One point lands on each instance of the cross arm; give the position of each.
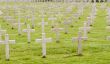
(12, 41)
(38, 40)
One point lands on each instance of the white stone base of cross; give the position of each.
(7, 42)
(44, 40)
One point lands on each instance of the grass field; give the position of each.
(96, 50)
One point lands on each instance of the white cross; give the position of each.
(66, 23)
(79, 39)
(7, 42)
(57, 31)
(19, 26)
(76, 15)
(29, 30)
(44, 40)
(52, 19)
(33, 23)
(43, 23)
(85, 29)
(89, 21)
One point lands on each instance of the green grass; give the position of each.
(94, 49)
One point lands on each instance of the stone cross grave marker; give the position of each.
(33, 23)
(89, 21)
(52, 19)
(85, 30)
(80, 10)
(69, 9)
(44, 40)
(19, 26)
(57, 31)
(79, 39)
(66, 25)
(28, 31)
(94, 9)
(11, 21)
(8, 18)
(43, 23)
(7, 42)
(76, 15)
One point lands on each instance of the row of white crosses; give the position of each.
(87, 25)
(82, 34)
(6, 42)
(44, 40)
(90, 21)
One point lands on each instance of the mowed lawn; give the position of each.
(96, 50)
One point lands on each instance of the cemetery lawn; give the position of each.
(96, 50)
